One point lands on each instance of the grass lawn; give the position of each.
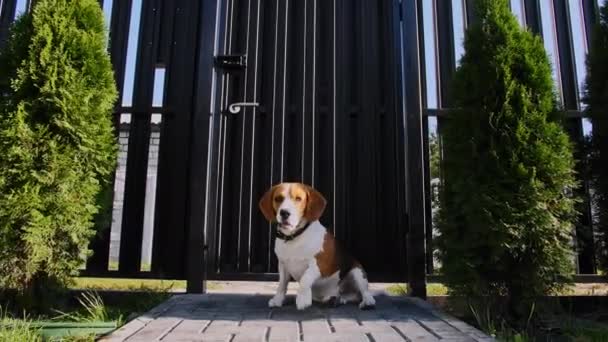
(18, 330)
(115, 284)
(431, 290)
(90, 314)
(580, 289)
(90, 309)
(136, 296)
(84, 318)
(557, 323)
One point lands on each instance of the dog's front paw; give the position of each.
(276, 301)
(304, 299)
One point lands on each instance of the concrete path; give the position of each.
(225, 315)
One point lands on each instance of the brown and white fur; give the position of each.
(314, 258)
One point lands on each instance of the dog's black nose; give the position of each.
(284, 214)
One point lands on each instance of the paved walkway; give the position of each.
(234, 316)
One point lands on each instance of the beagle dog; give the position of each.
(308, 253)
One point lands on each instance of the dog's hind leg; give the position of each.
(349, 297)
(360, 281)
(349, 291)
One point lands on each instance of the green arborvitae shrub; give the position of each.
(596, 99)
(505, 218)
(57, 144)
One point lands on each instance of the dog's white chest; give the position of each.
(296, 268)
(298, 254)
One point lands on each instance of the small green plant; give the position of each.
(93, 304)
(92, 310)
(506, 212)
(57, 93)
(485, 319)
(518, 338)
(491, 322)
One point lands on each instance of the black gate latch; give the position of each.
(231, 62)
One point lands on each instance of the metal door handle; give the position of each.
(236, 107)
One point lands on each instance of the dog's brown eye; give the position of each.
(278, 199)
(298, 199)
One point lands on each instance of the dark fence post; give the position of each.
(415, 186)
(590, 12)
(100, 245)
(570, 95)
(7, 15)
(532, 16)
(470, 10)
(139, 137)
(200, 205)
(566, 55)
(445, 37)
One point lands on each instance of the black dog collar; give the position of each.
(286, 238)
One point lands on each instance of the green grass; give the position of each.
(580, 329)
(77, 339)
(101, 284)
(431, 289)
(91, 309)
(566, 325)
(157, 285)
(113, 266)
(17, 330)
(436, 289)
(23, 330)
(569, 329)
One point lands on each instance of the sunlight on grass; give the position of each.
(579, 289)
(431, 289)
(85, 283)
(160, 285)
(17, 330)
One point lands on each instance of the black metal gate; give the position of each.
(320, 104)
(347, 93)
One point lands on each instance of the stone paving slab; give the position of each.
(246, 317)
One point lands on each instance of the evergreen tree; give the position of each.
(57, 144)
(505, 218)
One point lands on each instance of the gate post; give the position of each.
(201, 137)
(416, 244)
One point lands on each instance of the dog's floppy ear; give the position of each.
(315, 206)
(266, 204)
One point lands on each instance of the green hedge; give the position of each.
(57, 140)
(505, 215)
